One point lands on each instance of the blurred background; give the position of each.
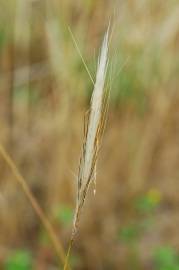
(133, 221)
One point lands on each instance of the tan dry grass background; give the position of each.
(44, 93)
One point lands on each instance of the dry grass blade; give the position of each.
(93, 132)
(43, 218)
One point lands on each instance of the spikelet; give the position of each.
(93, 131)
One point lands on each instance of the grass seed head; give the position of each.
(93, 131)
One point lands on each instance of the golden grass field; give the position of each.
(132, 222)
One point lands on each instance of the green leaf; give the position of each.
(165, 258)
(19, 260)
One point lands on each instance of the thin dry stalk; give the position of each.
(93, 131)
(43, 218)
(22, 36)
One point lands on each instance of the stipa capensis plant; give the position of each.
(93, 131)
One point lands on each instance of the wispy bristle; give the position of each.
(93, 132)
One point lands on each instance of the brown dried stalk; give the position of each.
(40, 213)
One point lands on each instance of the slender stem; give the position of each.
(75, 225)
(40, 213)
(68, 253)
